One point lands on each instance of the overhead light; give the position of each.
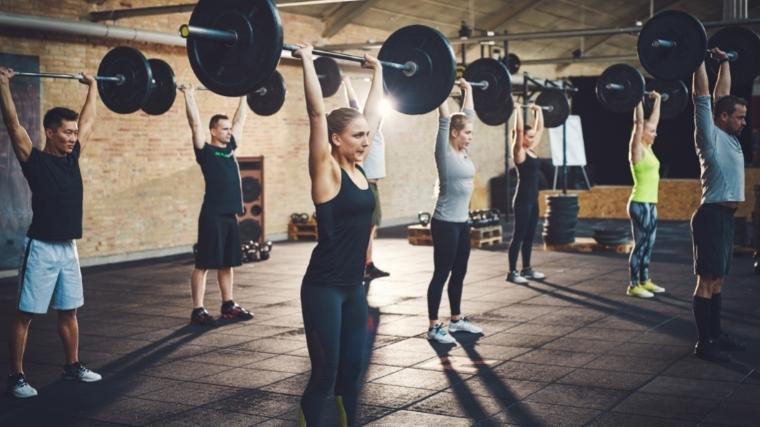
(639, 23)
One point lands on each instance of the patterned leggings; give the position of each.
(644, 225)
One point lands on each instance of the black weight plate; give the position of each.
(496, 75)
(620, 100)
(556, 99)
(268, 99)
(164, 90)
(329, 75)
(236, 69)
(250, 230)
(678, 98)
(496, 115)
(426, 89)
(677, 62)
(133, 93)
(513, 63)
(746, 44)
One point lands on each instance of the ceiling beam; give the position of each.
(344, 15)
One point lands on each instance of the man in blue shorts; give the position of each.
(49, 274)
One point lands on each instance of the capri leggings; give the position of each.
(335, 322)
(526, 220)
(644, 225)
(451, 252)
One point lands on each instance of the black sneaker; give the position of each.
(235, 312)
(371, 272)
(709, 351)
(200, 316)
(726, 342)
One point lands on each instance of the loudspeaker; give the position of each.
(251, 222)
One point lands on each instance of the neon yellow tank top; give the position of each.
(646, 178)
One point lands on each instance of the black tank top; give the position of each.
(344, 224)
(527, 180)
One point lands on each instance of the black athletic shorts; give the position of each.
(218, 242)
(712, 233)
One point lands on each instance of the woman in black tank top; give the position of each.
(333, 301)
(526, 196)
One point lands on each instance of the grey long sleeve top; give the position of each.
(456, 173)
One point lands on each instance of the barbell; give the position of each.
(621, 87)
(673, 44)
(264, 100)
(125, 79)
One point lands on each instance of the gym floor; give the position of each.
(572, 350)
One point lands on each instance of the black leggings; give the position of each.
(335, 322)
(526, 220)
(451, 251)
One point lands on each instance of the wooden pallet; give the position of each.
(306, 231)
(588, 244)
(479, 237)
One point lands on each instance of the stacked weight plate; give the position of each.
(561, 219)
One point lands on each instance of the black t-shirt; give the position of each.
(56, 185)
(222, 176)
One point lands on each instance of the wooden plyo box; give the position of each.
(479, 237)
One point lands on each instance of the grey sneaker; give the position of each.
(19, 387)
(437, 333)
(515, 277)
(464, 325)
(78, 372)
(531, 274)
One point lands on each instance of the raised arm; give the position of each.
(654, 118)
(320, 160)
(193, 116)
(372, 107)
(635, 148)
(723, 80)
(538, 124)
(238, 121)
(22, 144)
(700, 85)
(352, 101)
(88, 113)
(518, 150)
(464, 86)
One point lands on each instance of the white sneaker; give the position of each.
(515, 277)
(19, 388)
(464, 325)
(437, 333)
(531, 274)
(78, 372)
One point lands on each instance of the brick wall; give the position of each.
(143, 188)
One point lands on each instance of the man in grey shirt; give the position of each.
(712, 224)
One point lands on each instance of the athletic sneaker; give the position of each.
(726, 342)
(78, 372)
(19, 387)
(437, 333)
(652, 287)
(515, 277)
(709, 351)
(371, 272)
(638, 291)
(200, 316)
(531, 274)
(464, 325)
(232, 311)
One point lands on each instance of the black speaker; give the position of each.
(252, 182)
